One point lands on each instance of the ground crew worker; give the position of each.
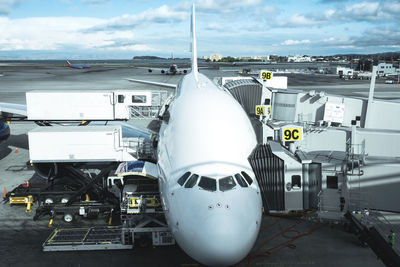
(392, 237)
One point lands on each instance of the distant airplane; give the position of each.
(77, 66)
(173, 69)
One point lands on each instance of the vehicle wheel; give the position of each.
(68, 217)
(48, 201)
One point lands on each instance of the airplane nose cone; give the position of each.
(225, 240)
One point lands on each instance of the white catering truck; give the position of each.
(78, 105)
(62, 140)
(82, 144)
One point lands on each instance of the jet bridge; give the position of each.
(320, 151)
(338, 156)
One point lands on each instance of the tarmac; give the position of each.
(283, 241)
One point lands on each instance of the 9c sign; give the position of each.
(291, 134)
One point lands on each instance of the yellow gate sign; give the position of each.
(292, 134)
(260, 110)
(265, 75)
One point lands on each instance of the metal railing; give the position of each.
(139, 147)
(158, 99)
(142, 112)
(355, 155)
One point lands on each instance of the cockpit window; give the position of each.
(240, 180)
(183, 178)
(226, 183)
(208, 183)
(248, 178)
(192, 181)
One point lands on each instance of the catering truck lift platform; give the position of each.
(141, 216)
(128, 197)
(93, 238)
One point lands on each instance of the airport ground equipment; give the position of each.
(330, 154)
(83, 104)
(370, 229)
(26, 200)
(93, 105)
(141, 215)
(93, 238)
(83, 144)
(126, 196)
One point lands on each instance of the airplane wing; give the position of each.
(16, 109)
(167, 85)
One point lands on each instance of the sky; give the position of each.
(121, 29)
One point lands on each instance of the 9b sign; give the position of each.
(265, 75)
(291, 134)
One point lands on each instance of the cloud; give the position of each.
(7, 5)
(376, 12)
(298, 20)
(378, 37)
(215, 27)
(224, 6)
(163, 14)
(62, 33)
(95, 2)
(295, 42)
(332, 1)
(123, 44)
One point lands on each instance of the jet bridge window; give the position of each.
(296, 181)
(192, 181)
(226, 183)
(240, 180)
(332, 182)
(121, 98)
(208, 183)
(183, 178)
(138, 99)
(248, 178)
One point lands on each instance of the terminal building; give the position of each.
(298, 58)
(385, 69)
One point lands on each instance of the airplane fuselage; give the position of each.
(216, 219)
(74, 66)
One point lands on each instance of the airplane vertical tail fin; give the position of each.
(68, 64)
(193, 47)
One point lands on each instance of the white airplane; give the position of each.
(173, 69)
(209, 193)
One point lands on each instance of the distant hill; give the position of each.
(383, 54)
(147, 57)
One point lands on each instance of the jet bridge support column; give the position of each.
(306, 183)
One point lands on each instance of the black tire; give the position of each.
(68, 217)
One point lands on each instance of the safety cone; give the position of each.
(5, 193)
(16, 150)
(27, 183)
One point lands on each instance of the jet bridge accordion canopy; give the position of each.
(269, 171)
(248, 93)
